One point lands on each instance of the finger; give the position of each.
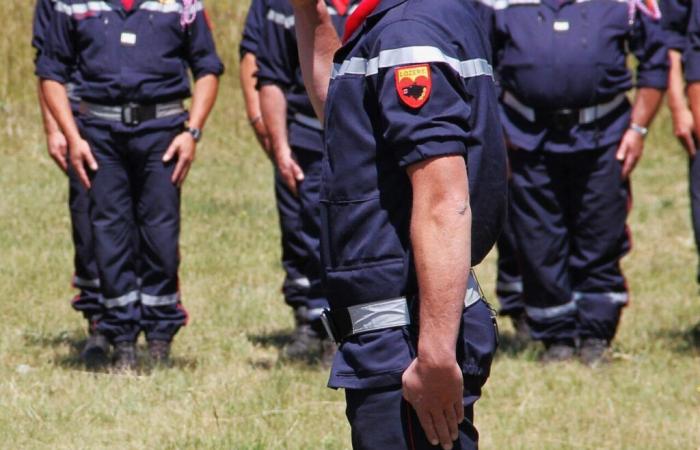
(298, 173)
(689, 144)
(177, 171)
(630, 162)
(80, 171)
(185, 172)
(452, 422)
(291, 183)
(90, 160)
(621, 152)
(170, 152)
(428, 428)
(60, 161)
(442, 429)
(459, 411)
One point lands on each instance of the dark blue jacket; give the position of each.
(142, 56)
(252, 28)
(553, 55)
(278, 63)
(682, 24)
(413, 83)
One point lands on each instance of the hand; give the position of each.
(436, 393)
(302, 3)
(184, 147)
(57, 146)
(80, 156)
(261, 134)
(683, 126)
(289, 170)
(630, 151)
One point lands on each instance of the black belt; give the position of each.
(131, 113)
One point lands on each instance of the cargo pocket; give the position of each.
(478, 340)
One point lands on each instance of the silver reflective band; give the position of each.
(586, 115)
(302, 282)
(280, 19)
(551, 312)
(514, 287)
(81, 8)
(412, 55)
(308, 121)
(394, 312)
(160, 300)
(613, 297)
(124, 300)
(173, 7)
(315, 313)
(86, 283)
(114, 113)
(503, 4)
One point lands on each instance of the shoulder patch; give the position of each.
(413, 84)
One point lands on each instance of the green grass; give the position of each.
(229, 389)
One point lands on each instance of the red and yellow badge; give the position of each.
(413, 84)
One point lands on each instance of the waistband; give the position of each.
(586, 115)
(342, 323)
(311, 122)
(131, 113)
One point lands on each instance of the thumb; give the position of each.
(170, 152)
(91, 162)
(298, 173)
(621, 151)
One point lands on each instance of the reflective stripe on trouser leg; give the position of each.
(85, 276)
(295, 259)
(599, 313)
(509, 282)
(113, 225)
(539, 189)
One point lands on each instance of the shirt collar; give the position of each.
(356, 23)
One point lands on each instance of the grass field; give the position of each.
(229, 388)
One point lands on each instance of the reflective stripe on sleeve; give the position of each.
(621, 298)
(551, 312)
(412, 55)
(280, 19)
(308, 121)
(302, 282)
(85, 283)
(174, 7)
(81, 8)
(514, 287)
(118, 302)
(160, 300)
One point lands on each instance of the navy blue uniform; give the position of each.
(563, 75)
(372, 136)
(85, 276)
(278, 63)
(141, 56)
(680, 17)
(295, 257)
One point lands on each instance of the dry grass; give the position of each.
(229, 390)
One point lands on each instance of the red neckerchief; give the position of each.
(358, 17)
(127, 4)
(341, 6)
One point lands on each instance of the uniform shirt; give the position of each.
(278, 62)
(43, 14)
(682, 24)
(252, 29)
(558, 54)
(406, 87)
(141, 56)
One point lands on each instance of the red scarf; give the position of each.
(127, 4)
(341, 6)
(358, 17)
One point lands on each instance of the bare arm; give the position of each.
(80, 153)
(678, 105)
(646, 105)
(274, 110)
(184, 146)
(441, 241)
(55, 140)
(248, 68)
(318, 41)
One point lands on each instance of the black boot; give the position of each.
(125, 357)
(521, 327)
(305, 342)
(558, 351)
(594, 352)
(159, 351)
(95, 353)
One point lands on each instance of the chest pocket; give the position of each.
(161, 43)
(526, 36)
(94, 32)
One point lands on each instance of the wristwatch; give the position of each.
(639, 129)
(196, 133)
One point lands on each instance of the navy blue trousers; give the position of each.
(509, 282)
(380, 419)
(569, 217)
(132, 195)
(694, 188)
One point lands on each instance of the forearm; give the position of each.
(50, 124)
(441, 241)
(203, 99)
(646, 105)
(318, 41)
(251, 96)
(676, 83)
(273, 104)
(56, 98)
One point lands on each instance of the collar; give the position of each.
(366, 10)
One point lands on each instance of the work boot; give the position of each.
(328, 349)
(159, 351)
(96, 350)
(125, 357)
(522, 328)
(594, 352)
(305, 343)
(558, 351)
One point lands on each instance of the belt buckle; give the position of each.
(327, 321)
(565, 119)
(131, 114)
